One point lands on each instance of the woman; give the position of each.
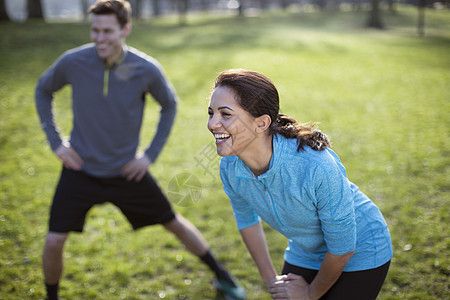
(283, 172)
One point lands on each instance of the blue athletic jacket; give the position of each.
(307, 197)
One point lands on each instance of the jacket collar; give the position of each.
(118, 61)
(279, 145)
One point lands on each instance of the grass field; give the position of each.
(382, 96)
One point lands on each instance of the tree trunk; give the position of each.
(85, 8)
(392, 7)
(332, 6)
(34, 8)
(134, 9)
(182, 7)
(322, 4)
(204, 5)
(138, 9)
(356, 4)
(156, 8)
(421, 18)
(285, 4)
(375, 15)
(3, 14)
(264, 4)
(241, 8)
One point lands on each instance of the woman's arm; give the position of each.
(255, 241)
(329, 272)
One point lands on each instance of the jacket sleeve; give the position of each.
(335, 207)
(244, 214)
(164, 93)
(50, 82)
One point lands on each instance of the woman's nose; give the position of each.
(213, 123)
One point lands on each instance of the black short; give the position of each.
(143, 202)
(358, 285)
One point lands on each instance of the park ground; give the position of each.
(381, 95)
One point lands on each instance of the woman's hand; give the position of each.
(296, 287)
(276, 287)
(289, 287)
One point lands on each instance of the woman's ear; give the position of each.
(262, 123)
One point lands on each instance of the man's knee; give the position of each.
(55, 240)
(174, 225)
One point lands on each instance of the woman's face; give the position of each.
(232, 126)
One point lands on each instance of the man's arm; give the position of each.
(50, 82)
(164, 93)
(166, 120)
(44, 106)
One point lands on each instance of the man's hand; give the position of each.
(69, 156)
(136, 169)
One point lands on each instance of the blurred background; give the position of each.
(146, 9)
(375, 74)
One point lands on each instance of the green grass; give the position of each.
(382, 96)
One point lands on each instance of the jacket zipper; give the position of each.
(106, 81)
(274, 210)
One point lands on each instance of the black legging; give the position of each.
(358, 285)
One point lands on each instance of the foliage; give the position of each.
(382, 96)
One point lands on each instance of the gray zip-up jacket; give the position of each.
(108, 105)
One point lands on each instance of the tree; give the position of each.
(204, 5)
(264, 4)
(34, 9)
(356, 4)
(137, 8)
(375, 15)
(392, 7)
(3, 14)
(285, 4)
(322, 4)
(156, 8)
(421, 20)
(241, 7)
(182, 7)
(84, 8)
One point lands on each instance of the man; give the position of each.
(109, 81)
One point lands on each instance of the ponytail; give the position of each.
(257, 95)
(306, 133)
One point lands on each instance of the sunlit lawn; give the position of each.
(382, 96)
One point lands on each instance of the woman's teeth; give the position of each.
(221, 137)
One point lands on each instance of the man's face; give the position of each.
(108, 36)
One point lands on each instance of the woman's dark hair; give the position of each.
(257, 95)
(120, 8)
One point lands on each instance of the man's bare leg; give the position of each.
(189, 235)
(52, 262)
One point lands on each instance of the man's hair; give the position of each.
(120, 8)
